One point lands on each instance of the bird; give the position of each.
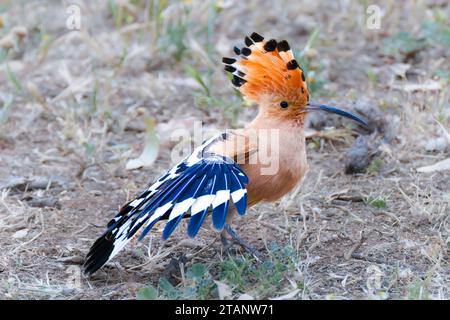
(228, 173)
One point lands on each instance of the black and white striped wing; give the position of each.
(200, 184)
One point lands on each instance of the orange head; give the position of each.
(267, 73)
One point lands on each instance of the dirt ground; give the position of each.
(365, 223)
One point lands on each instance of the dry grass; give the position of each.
(72, 113)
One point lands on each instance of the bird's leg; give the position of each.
(235, 238)
(227, 244)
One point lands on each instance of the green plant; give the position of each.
(265, 278)
(155, 9)
(119, 12)
(310, 66)
(13, 79)
(314, 143)
(147, 293)
(374, 166)
(197, 285)
(436, 33)
(3, 55)
(235, 271)
(403, 43)
(175, 37)
(243, 274)
(377, 202)
(191, 71)
(443, 74)
(44, 44)
(372, 76)
(230, 107)
(418, 290)
(6, 109)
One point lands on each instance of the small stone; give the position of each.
(439, 144)
(20, 234)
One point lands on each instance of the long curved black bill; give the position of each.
(322, 107)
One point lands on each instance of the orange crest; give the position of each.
(267, 68)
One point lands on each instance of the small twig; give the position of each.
(71, 260)
(161, 255)
(411, 202)
(183, 278)
(34, 238)
(80, 231)
(189, 256)
(301, 236)
(318, 241)
(386, 213)
(359, 256)
(349, 213)
(3, 202)
(356, 245)
(273, 226)
(348, 198)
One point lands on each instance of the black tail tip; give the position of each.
(99, 254)
(90, 266)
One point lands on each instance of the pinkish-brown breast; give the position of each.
(271, 177)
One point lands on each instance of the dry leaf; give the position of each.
(426, 86)
(151, 149)
(19, 31)
(330, 134)
(7, 42)
(439, 166)
(289, 295)
(165, 130)
(400, 69)
(438, 144)
(224, 290)
(309, 133)
(245, 296)
(446, 133)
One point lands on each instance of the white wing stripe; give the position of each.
(160, 212)
(238, 194)
(222, 196)
(201, 203)
(181, 207)
(136, 202)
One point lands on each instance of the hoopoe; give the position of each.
(226, 168)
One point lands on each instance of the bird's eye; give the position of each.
(284, 104)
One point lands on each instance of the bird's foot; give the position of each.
(235, 239)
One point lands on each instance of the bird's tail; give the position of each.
(265, 67)
(120, 230)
